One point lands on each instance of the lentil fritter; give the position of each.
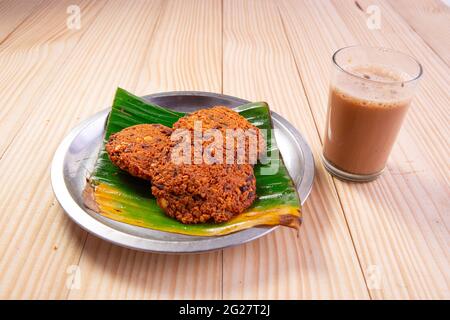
(223, 119)
(140, 149)
(190, 193)
(203, 193)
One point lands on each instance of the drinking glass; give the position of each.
(370, 92)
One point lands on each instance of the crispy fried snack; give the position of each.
(140, 149)
(226, 120)
(190, 193)
(202, 193)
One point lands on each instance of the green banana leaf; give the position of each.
(119, 196)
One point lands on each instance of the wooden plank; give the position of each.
(431, 20)
(34, 55)
(183, 54)
(13, 13)
(398, 222)
(431, 141)
(52, 78)
(321, 262)
(186, 52)
(412, 245)
(28, 60)
(38, 243)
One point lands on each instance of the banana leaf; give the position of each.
(117, 195)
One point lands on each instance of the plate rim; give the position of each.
(87, 222)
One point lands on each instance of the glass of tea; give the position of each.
(370, 92)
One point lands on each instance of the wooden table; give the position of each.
(388, 239)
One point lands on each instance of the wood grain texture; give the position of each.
(39, 244)
(32, 225)
(394, 229)
(320, 262)
(406, 212)
(13, 13)
(431, 20)
(184, 53)
(34, 55)
(398, 222)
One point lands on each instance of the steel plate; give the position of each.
(76, 156)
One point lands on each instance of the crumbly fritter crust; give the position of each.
(203, 193)
(140, 149)
(223, 118)
(190, 193)
(218, 117)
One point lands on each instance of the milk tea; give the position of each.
(364, 118)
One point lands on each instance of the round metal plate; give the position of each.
(76, 156)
